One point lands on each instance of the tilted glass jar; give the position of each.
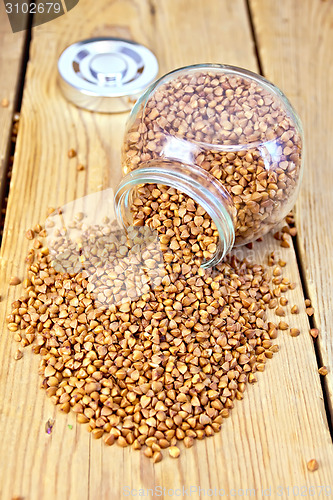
(210, 143)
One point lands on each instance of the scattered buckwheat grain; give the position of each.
(314, 332)
(14, 281)
(312, 465)
(71, 153)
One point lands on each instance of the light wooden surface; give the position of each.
(11, 54)
(295, 44)
(280, 424)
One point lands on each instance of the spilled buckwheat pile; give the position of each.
(146, 351)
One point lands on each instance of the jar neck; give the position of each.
(191, 180)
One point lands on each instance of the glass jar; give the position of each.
(212, 158)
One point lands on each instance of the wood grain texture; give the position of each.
(295, 44)
(281, 423)
(12, 48)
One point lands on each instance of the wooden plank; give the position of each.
(295, 45)
(12, 48)
(280, 424)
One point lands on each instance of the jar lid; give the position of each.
(106, 74)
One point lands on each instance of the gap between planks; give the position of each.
(17, 77)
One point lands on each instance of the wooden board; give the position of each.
(11, 55)
(295, 44)
(281, 423)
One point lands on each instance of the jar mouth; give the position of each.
(199, 185)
